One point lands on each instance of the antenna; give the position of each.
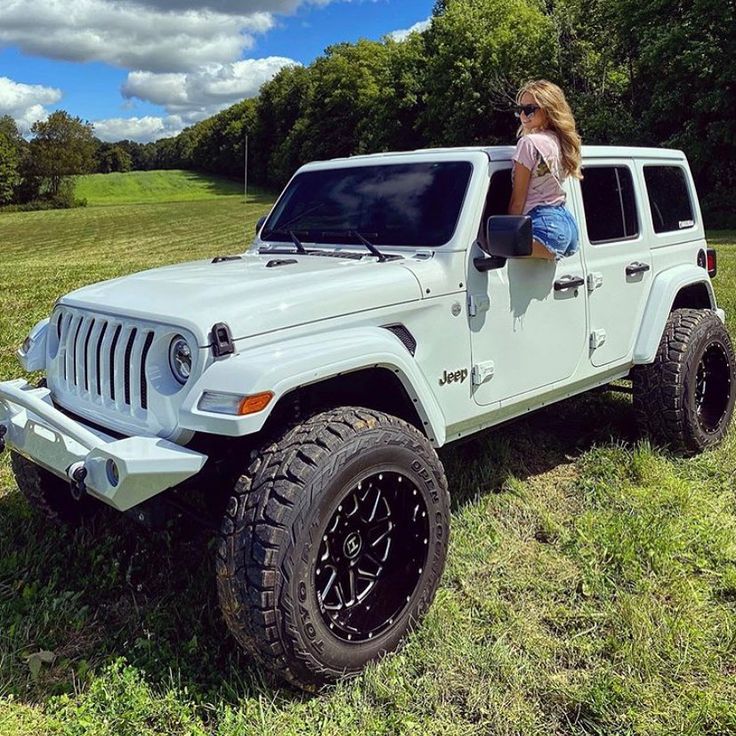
(245, 171)
(245, 185)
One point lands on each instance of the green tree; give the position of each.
(682, 61)
(62, 146)
(10, 158)
(478, 53)
(113, 157)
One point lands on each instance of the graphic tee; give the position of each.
(540, 153)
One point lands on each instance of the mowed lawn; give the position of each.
(138, 187)
(590, 587)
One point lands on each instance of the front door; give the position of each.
(528, 327)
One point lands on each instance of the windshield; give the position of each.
(395, 204)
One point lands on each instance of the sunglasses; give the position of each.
(528, 110)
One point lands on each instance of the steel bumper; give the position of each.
(120, 472)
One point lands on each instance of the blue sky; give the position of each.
(144, 69)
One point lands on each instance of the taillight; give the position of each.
(712, 262)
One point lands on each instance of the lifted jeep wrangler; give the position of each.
(385, 309)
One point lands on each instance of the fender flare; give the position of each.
(659, 305)
(283, 366)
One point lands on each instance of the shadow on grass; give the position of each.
(537, 443)
(222, 186)
(113, 590)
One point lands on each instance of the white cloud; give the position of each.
(187, 98)
(25, 103)
(143, 129)
(416, 28)
(198, 94)
(130, 36)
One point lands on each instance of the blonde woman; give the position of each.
(548, 151)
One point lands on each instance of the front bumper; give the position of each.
(144, 466)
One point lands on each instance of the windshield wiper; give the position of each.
(283, 227)
(298, 243)
(355, 234)
(292, 235)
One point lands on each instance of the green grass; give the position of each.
(590, 587)
(147, 187)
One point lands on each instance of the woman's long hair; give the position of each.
(550, 97)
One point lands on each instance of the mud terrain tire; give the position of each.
(50, 495)
(685, 398)
(296, 583)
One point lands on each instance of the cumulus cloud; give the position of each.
(187, 98)
(143, 129)
(128, 35)
(25, 103)
(203, 92)
(416, 28)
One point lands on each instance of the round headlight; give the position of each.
(180, 359)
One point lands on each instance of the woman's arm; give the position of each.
(522, 177)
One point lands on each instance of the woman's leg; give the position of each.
(539, 251)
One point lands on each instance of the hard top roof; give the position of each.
(503, 153)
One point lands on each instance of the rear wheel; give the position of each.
(685, 398)
(333, 544)
(49, 494)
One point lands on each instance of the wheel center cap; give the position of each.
(352, 546)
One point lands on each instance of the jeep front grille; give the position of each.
(102, 360)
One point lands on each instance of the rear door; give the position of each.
(617, 257)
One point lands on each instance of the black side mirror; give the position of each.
(508, 236)
(260, 222)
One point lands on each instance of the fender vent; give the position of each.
(407, 339)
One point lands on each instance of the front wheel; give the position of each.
(685, 399)
(333, 544)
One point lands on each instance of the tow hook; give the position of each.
(77, 473)
(3, 432)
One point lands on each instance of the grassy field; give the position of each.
(590, 588)
(137, 187)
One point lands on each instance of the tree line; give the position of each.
(636, 72)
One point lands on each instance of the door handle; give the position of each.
(636, 267)
(569, 282)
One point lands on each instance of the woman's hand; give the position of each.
(522, 177)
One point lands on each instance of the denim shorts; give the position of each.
(554, 227)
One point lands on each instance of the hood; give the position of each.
(250, 295)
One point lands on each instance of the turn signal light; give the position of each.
(255, 403)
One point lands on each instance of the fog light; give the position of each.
(113, 474)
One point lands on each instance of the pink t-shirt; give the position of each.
(540, 153)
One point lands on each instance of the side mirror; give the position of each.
(508, 236)
(260, 222)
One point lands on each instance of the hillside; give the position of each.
(136, 187)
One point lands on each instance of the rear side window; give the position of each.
(610, 206)
(669, 199)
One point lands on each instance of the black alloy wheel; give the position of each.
(712, 387)
(373, 552)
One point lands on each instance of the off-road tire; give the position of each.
(275, 524)
(671, 405)
(50, 495)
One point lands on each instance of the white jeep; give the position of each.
(386, 308)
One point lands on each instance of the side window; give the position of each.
(610, 206)
(497, 199)
(669, 200)
(499, 194)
